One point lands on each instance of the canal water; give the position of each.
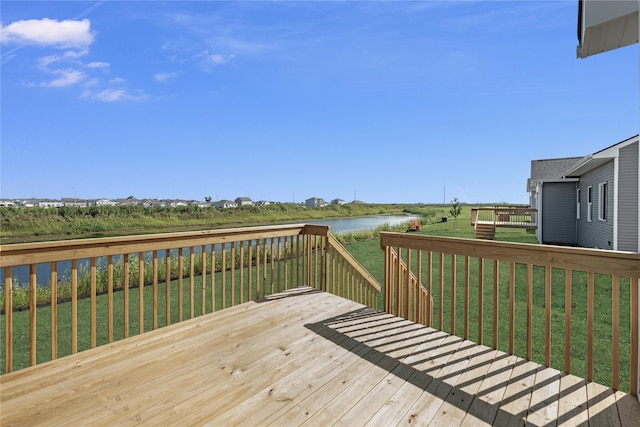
(365, 223)
(337, 226)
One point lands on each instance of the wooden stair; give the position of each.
(485, 230)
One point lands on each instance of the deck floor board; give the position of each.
(303, 357)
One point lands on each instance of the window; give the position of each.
(578, 203)
(602, 201)
(589, 202)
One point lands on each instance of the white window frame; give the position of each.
(603, 200)
(589, 202)
(578, 203)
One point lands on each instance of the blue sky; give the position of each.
(383, 101)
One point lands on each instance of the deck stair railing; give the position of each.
(574, 309)
(485, 220)
(111, 288)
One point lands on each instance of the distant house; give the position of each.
(49, 203)
(103, 202)
(263, 203)
(590, 201)
(6, 203)
(337, 202)
(244, 201)
(225, 204)
(73, 202)
(315, 202)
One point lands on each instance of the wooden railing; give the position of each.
(574, 309)
(83, 293)
(505, 216)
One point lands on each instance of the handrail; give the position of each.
(505, 216)
(175, 275)
(558, 290)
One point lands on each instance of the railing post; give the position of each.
(634, 375)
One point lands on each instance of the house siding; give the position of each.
(628, 199)
(559, 220)
(597, 233)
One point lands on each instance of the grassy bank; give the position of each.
(18, 224)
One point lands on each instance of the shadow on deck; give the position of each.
(303, 356)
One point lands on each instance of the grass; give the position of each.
(365, 247)
(371, 257)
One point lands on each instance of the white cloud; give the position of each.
(214, 58)
(113, 95)
(97, 64)
(220, 59)
(164, 77)
(48, 32)
(110, 95)
(66, 78)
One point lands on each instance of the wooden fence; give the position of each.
(505, 216)
(95, 291)
(574, 309)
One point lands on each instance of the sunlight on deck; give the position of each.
(303, 356)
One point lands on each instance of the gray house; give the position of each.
(243, 201)
(314, 202)
(591, 201)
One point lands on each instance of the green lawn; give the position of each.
(370, 255)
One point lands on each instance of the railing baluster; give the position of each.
(496, 281)
(92, 295)
(398, 280)
(257, 295)
(453, 294)
(223, 281)
(441, 293)
(529, 308)
(429, 288)
(407, 280)
(74, 306)
(387, 279)
(466, 297)
(140, 292)
(213, 278)
(167, 267)
(203, 282)
(615, 331)
(155, 290)
(590, 303)
(568, 286)
(125, 296)
(241, 271)
(265, 292)
(110, 299)
(249, 274)
(32, 314)
(547, 316)
(272, 265)
(180, 283)
(480, 298)
(192, 288)
(512, 305)
(8, 319)
(421, 301)
(54, 309)
(232, 274)
(275, 254)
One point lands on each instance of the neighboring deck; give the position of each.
(303, 356)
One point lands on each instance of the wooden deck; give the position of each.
(303, 357)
